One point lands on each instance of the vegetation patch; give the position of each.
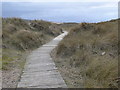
(19, 38)
(88, 55)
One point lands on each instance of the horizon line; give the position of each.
(62, 22)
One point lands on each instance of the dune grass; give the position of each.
(21, 35)
(19, 38)
(89, 55)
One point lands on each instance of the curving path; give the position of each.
(40, 70)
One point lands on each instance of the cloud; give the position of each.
(107, 5)
(61, 11)
(60, 0)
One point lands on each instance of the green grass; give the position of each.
(10, 58)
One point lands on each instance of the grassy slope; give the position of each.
(19, 37)
(87, 57)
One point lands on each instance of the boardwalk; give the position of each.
(40, 70)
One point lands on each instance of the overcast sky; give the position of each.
(62, 10)
(60, 0)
